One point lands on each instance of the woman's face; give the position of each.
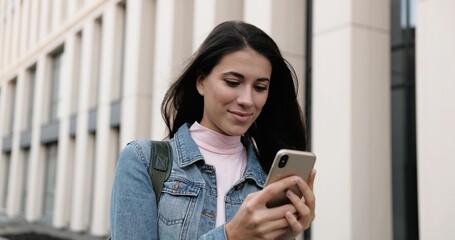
(235, 91)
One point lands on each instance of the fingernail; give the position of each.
(296, 179)
(288, 193)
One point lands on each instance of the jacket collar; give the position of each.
(188, 153)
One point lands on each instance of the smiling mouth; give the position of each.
(241, 116)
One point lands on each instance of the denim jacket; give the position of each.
(187, 207)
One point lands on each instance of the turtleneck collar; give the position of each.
(213, 141)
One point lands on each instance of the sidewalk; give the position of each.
(12, 229)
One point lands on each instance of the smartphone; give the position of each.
(287, 163)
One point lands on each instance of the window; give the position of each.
(119, 64)
(50, 175)
(117, 147)
(404, 167)
(55, 84)
(76, 73)
(92, 158)
(4, 174)
(26, 160)
(12, 106)
(95, 77)
(31, 96)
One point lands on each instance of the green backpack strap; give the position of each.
(160, 165)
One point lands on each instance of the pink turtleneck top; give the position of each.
(227, 154)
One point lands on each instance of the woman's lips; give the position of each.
(241, 116)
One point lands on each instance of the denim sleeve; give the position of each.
(218, 233)
(133, 205)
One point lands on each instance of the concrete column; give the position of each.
(351, 119)
(57, 13)
(137, 94)
(7, 37)
(34, 24)
(16, 24)
(288, 30)
(83, 164)
(2, 31)
(35, 183)
(258, 12)
(45, 20)
(25, 27)
(435, 103)
(204, 21)
(16, 162)
(207, 14)
(72, 8)
(228, 10)
(172, 48)
(65, 154)
(106, 146)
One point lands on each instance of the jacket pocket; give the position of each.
(178, 198)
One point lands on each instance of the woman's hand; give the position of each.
(305, 209)
(255, 221)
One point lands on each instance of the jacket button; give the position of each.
(209, 170)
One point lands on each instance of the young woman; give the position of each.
(230, 111)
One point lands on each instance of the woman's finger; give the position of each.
(311, 178)
(273, 189)
(307, 194)
(294, 222)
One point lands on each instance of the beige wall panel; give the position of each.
(137, 92)
(45, 19)
(228, 10)
(371, 13)
(258, 12)
(65, 154)
(3, 119)
(106, 146)
(35, 184)
(371, 151)
(288, 26)
(204, 20)
(34, 24)
(351, 125)
(329, 15)
(331, 135)
(25, 27)
(7, 38)
(435, 101)
(173, 48)
(15, 43)
(84, 158)
(16, 161)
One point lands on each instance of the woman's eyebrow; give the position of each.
(241, 76)
(263, 79)
(235, 74)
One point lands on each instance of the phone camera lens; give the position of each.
(283, 161)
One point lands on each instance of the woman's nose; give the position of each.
(245, 97)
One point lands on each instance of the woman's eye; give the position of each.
(261, 88)
(231, 83)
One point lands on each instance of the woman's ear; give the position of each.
(200, 84)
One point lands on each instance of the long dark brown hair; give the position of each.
(281, 123)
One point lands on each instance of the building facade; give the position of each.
(81, 78)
